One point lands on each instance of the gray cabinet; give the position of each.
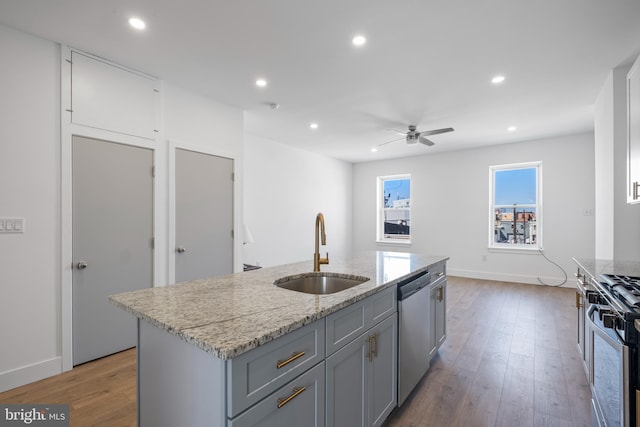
(361, 378)
(633, 133)
(298, 403)
(258, 373)
(361, 375)
(437, 311)
(581, 307)
(437, 315)
(383, 371)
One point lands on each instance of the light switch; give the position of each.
(11, 225)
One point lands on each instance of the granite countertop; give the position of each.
(229, 315)
(595, 267)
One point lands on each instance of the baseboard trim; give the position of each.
(517, 278)
(30, 373)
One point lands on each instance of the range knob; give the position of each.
(609, 320)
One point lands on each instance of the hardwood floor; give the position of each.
(510, 359)
(99, 393)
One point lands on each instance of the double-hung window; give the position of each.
(516, 206)
(394, 209)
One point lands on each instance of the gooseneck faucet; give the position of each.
(317, 260)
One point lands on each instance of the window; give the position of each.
(516, 202)
(394, 209)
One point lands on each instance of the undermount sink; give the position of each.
(320, 283)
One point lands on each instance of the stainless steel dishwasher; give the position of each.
(413, 332)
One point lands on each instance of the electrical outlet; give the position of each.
(11, 225)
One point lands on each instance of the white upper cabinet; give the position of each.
(633, 133)
(109, 97)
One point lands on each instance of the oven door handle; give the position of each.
(614, 342)
(623, 350)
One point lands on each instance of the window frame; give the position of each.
(538, 246)
(380, 236)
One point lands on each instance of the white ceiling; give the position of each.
(426, 62)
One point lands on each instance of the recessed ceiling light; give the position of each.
(137, 23)
(359, 40)
(374, 149)
(313, 126)
(261, 82)
(512, 128)
(497, 79)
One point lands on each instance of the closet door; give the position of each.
(204, 215)
(112, 242)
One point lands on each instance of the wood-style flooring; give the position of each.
(510, 359)
(99, 393)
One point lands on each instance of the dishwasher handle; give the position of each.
(410, 286)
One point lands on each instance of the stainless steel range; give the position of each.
(614, 362)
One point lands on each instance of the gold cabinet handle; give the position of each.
(373, 347)
(635, 190)
(296, 392)
(293, 357)
(375, 344)
(440, 293)
(579, 300)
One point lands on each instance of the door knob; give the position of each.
(81, 265)
(181, 249)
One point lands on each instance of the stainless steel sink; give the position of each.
(320, 283)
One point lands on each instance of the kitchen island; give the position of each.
(203, 345)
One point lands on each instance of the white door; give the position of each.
(204, 215)
(112, 242)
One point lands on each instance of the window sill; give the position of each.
(394, 242)
(516, 249)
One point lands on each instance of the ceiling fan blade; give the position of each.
(389, 142)
(425, 141)
(397, 131)
(436, 131)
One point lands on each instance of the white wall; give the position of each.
(604, 172)
(195, 122)
(31, 275)
(284, 190)
(626, 217)
(617, 223)
(450, 207)
(29, 188)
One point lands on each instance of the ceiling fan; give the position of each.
(413, 136)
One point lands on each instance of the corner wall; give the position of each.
(450, 207)
(29, 188)
(284, 190)
(617, 223)
(34, 338)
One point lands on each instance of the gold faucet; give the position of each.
(317, 261)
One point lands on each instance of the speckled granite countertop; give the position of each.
(596, 267)
(229, 315)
